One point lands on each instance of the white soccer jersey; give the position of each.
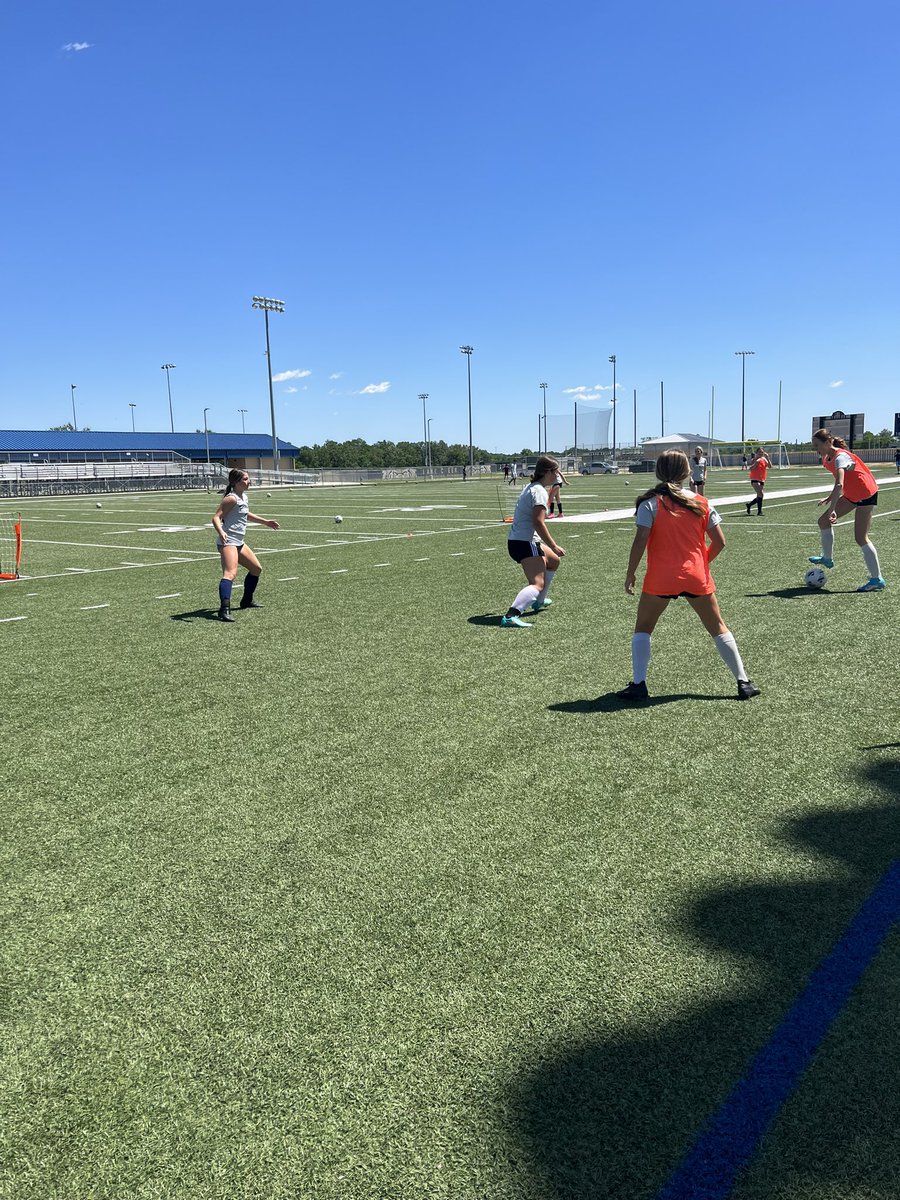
(523, 518)
(234, 521)
(646, 514)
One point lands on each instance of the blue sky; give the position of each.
(551, 184)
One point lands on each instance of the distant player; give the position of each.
(759, 469)
(531, 546)
(230, 523)
(698, 471)
(514, 473)
(673, 526)
(854, 488)
(558, 482)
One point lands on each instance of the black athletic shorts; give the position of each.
(521, 550)
(869, 501)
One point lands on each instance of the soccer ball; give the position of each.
(269, 494)
(338, 520)
(99, 505)
(815, 577)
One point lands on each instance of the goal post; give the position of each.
(10, 545)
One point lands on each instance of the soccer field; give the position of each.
(364, 896)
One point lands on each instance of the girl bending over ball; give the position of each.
(531, 546)
(230, 523)
(673, 526)
(854, 488)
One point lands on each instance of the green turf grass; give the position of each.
(365, 897)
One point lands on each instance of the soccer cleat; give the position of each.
(250, 604)
(540, 604)
(634, 691)
(820, 560)
(506, 622)
(224, 613)
(747, 689)
(749, 506)
(873, 585)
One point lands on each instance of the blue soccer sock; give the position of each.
(250, 582)
(225, 591)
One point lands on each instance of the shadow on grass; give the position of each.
(493, 619)
(795, 593)
(610, 702)
(613, 1115)
(198, 614)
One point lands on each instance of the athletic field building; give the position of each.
(250, 451)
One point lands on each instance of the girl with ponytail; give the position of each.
(681, 533)
(230, 523)
(854, 488)
(532, 545)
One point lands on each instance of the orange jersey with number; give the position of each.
(759, 470)
(859, 484)
(677, 554)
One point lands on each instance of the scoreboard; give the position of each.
(849, 426)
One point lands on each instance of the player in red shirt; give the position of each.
(759, 469)
(854, 488)
(673, 526)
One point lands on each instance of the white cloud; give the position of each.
(77, 46)
(290, 391)
(374, 389)
(837, 383)
(594, 388)
(336, 375)
(284, 375)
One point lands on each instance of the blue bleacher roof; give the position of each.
(232, 445)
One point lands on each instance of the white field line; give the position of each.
(103, 546)
(169, 596)
(91, 607)
(6, 620)
(619, 514)
(288, 579)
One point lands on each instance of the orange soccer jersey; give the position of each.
(677, 555)
(759, 470)
(859, 484)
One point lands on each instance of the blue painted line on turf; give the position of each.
(735, 1132)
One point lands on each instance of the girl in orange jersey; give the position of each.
(854, 487)
(759, 469)
(673, 527)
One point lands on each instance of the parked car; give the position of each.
(600, 468)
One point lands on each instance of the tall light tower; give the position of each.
(468, 351)
(543, 388)
(612, 359)
(206, 434)
(132, 407)
(268, 306)
(742, 354)
(243, 412)
(423, 396)
(167, 367)
(74, 418)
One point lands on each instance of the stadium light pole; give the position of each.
(423, 396)
(543, 388)
(742, 355)
(267, 305)
(132, 407)
(467, 351)
(612, 359)
(74, 418)
(428, 444)
(242, 411)
(206, 435)
(167, 367)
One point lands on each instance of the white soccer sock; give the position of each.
(548, 579)
(870, 554)
(527, 596)
(640, 656)
(727, 648)
(827, 541)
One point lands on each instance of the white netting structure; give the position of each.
(593, 431)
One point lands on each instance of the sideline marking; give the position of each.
(90, 607)
(169, 596)
(4, 620)
(288, 579)
(734, 1134)
(340, 571)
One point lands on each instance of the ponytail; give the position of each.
(234, 475)
(672, 469)
(824, 435)
(542, 466)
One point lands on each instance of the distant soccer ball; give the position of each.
(268, 493)
(815, 577)
(338, 520)
(99, 505)
(627, 484)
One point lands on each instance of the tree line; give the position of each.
(359, 454)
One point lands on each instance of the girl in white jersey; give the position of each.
(230, 523)
(531, 545)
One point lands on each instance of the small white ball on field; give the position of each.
(338, 520)
(268, 493)
(99, 505)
